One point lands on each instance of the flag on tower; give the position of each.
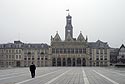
(67, 10)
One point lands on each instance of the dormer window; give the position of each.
(29, 46)
(29, 53)
(42, 53)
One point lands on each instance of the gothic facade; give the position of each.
(78, 51)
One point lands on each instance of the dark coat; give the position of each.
(32, 67)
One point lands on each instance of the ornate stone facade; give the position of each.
(78, 51)
(71, 52)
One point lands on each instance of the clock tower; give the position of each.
(68, 27)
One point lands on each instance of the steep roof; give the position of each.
(98, 44)
(36, 46)
(57, 37)
(81, 38)
(122, 48)
(22, 45)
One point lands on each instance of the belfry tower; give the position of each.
(68, 27)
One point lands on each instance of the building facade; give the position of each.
(99, 53)
(113, 56)
(20, 54)
(10, 54)
(78, 51)
(121, 55)
(68, 52)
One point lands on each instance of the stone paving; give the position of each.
(64, 75)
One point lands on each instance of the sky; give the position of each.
(34, 21)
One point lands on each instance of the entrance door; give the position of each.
(58, 61)
(69, 62)
(18, 63)
(74, 62)
(78, 62)
(53, 62)
(64, 62)
(83, 62)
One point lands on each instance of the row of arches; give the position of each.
(68, 62)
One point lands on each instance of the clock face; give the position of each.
(69, 30)
(69, 19)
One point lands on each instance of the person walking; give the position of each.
(32, 70)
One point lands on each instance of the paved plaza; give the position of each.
(64, 75)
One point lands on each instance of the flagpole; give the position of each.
(68, 11)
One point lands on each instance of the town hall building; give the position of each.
(68, 52)
(78, 51)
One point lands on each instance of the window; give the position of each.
(19, 56)
(6, 63)
(72, 50)
(61, 50)
(57, 50)
(84, 50)
(32, 58)
(16, 51)
(105, 58)
(9, 51)
(16, 56)
(64, 50)
(53, 50)
(97, 58)
(12, 51)
(105, 51)
(97, 51)
(6, 51)
(9, 56)
(12, 63)
(101, 58)
(68, 50)
(42, 53)
(9, 63)
(90, 59)
(76, 50)
(97, 63)
(29, 53)
(101, 51)
(80, 50)
(90, 51)
(19, 51)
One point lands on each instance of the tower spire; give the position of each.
(68, 27)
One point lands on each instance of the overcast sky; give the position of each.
(34, 21)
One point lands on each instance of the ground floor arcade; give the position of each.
(69, 62)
